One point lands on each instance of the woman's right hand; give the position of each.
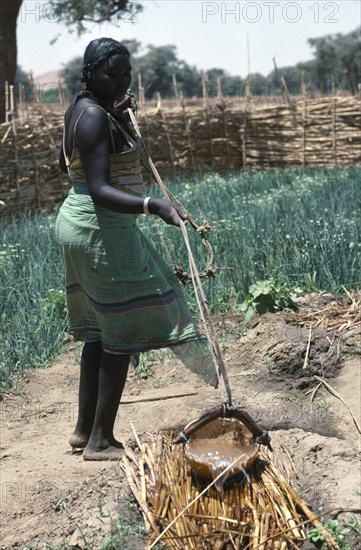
(170, 212)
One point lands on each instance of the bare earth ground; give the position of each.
(51, 498)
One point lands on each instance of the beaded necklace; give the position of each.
(87, 94)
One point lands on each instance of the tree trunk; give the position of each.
(9, 10)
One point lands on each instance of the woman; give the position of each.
(122, 298)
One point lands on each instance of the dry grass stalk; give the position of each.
(157, 398)
(334, 392)
(184, 513)
(149, 520)
(337, 317)
(308, 349)
(313, 392)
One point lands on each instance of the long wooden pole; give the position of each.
(249, 77)
(7, 101)
(334, 128)
(197, 284)
(16, 157)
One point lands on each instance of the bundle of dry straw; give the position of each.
(184, 512)
(338, 316)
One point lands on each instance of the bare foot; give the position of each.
(79, 441)
(113, 451)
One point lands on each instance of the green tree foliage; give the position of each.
(132, 45)
(77, 14)
(189, 80)
(236, 87)
(259, 84)
(338, 59)
(156, 66)
(336, 65)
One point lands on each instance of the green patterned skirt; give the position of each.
(119, 290)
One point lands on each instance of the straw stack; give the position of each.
(183, 511)
(338, 316)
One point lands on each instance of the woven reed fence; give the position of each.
(186, 141)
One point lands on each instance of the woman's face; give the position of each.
(113, 78)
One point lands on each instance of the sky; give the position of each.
(207, 34)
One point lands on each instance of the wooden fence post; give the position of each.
(285, 91)
(219, 89)
(304, 130)
(165, 125)
(205, 90)
(187, 124)
(304, 120)
(21, 106)
(7, 101)
(334, 129)
(141, 97)
(225, 136)
(16, 159)
(35, 166)
(244, 132)
(175, 88)
(61, 93)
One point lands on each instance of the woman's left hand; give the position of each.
(127, 103)
(170, 212)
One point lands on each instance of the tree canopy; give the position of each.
(338, 58)
(77, 14)
(336, 63)
(157, 65)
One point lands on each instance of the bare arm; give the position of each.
(62, 162)
(92, 135)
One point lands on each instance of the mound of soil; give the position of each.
(52, 498)
(281, 349)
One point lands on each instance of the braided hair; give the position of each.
(97, 52)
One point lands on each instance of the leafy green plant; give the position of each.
(55, 302)
(143, 369)
(270, 295)
(346, 533)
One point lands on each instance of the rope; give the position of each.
(197, 285)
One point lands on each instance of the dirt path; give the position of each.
(49, 495)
